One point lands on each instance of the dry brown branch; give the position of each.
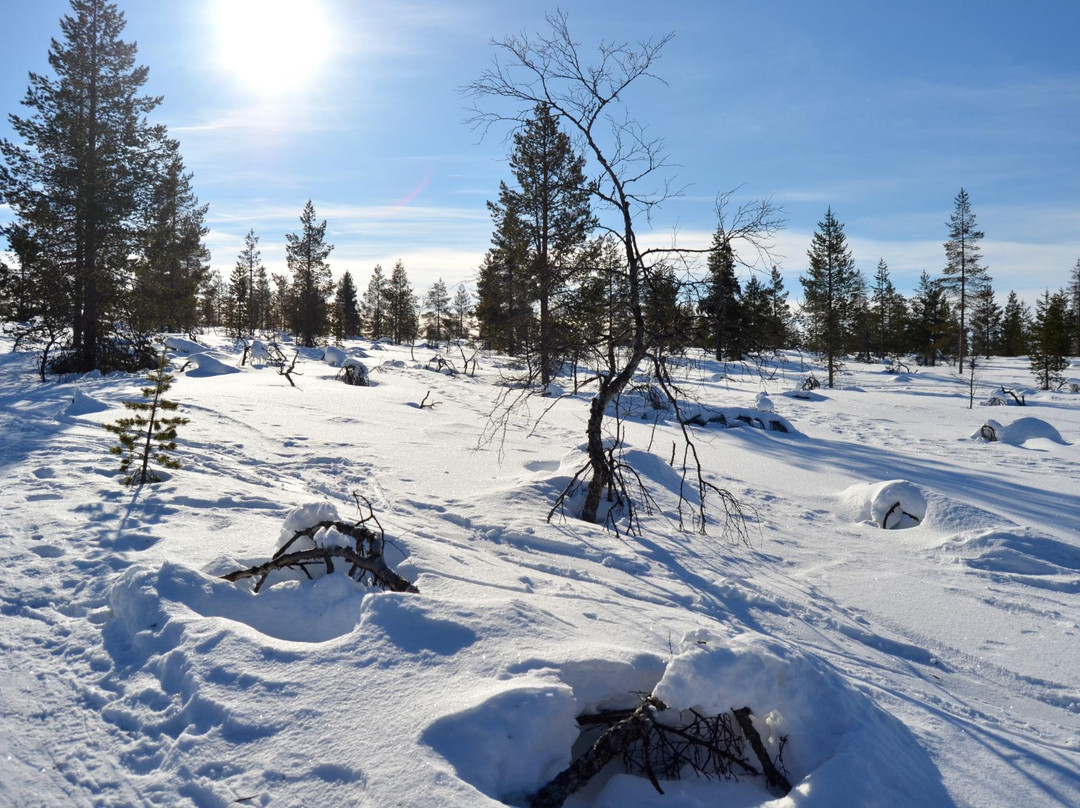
(365, 557)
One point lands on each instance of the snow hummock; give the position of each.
(84, 404)
(1021, 432)
(827, 725)
(892, 505)
(207, 364)
(334, 356)
(184, 346)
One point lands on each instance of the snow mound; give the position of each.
(1020, 432)
(840, 748)
(206, 365)
(324, 609)
(892, 505)
(513, 742)
(184, 346)
(82, 404)
(333, 356)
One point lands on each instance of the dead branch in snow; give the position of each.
(367, 563)
(712, 746)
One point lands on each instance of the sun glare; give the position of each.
(273, 46)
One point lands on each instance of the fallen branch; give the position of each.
(773, 776)
(710, 745)
(365, 557)
(893, 509)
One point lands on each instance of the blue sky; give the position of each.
(882, 111)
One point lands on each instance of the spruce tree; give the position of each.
(242, 285)
(964, 273)
(503, 288)
(830, 290)
(346, 308)
(1015, 327)
(462, 310)
(931, 320)
(373, 314)
(1074, 308)
(755, 316)
(403, 323)
(437, 312)
(777, 334)
(149, 434)
(884, 312)
(173, 261)
(306, 254)
(722, 304)
(985, 321)
(74, 186)
(238, 301)
(1050, 339)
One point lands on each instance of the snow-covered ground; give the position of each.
(933, 664)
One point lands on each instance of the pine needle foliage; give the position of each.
(149, 435)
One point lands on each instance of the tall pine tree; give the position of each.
(403, 323)
(74, 186)
(965, 275)
(551, 205)
(373, 306)
(306, 254)
(830, 294)
(244, 282)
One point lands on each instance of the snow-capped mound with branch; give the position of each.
(206, 365)
(891, 505)
(183, 346)
(1020, 432)
(797, 700)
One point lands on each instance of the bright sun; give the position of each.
(272, 46)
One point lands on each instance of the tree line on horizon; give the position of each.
(108, 245)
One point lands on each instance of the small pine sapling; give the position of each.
(148, 435)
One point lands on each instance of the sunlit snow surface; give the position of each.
(926, 661)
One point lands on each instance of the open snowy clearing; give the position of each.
(935, 662)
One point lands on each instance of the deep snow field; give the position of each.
(932, 665)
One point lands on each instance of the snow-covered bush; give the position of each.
(354, 372)
(1019, 432)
